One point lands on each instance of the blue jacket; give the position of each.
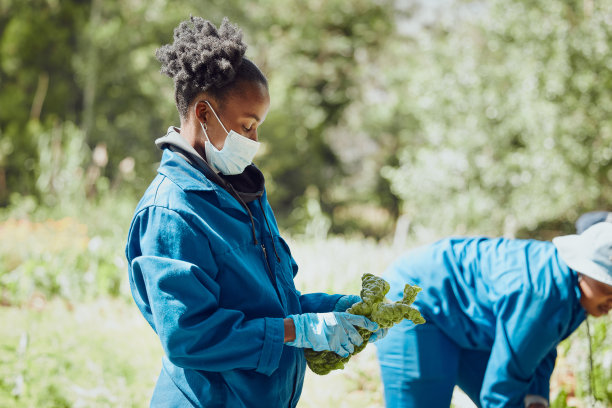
(514, 298)
(215, 294)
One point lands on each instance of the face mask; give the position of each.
(237, 152)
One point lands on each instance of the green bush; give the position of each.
(57, 259)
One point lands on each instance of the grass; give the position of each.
(95, 354)
(99, 351)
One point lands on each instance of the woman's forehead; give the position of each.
(249, 99)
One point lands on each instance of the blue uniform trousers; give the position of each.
(420, 366)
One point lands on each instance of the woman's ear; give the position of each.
(201, 112)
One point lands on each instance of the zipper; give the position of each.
(269, 230)
(270, 274)
(262, 245)
(268, 269)
(246, 207)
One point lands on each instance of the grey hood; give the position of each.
(175, 142)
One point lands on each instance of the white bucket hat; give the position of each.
(589, 253)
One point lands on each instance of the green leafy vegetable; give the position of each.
(375, 307)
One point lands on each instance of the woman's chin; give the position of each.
(598, 311)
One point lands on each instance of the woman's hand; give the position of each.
(333, 331)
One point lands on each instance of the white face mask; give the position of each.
(235, 155)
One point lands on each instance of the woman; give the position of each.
(207, 266)
(496, 309)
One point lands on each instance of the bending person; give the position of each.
(496, 309)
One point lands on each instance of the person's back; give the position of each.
(495, 310)
(475, 275)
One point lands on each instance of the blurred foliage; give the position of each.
(452, 116)
(489, 117)
(62, 258)
(574, 382)
(101, 354)
(316, 55)
(600, 378)
(510, 115)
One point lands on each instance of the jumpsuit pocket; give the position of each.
(285, 271)
(287, 265)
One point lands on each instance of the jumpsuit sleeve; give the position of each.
(541, 383)
(173, 281)
(318, 302)
(522, 358)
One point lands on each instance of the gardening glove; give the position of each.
(377, 335)
(332, 331)
(345, 302)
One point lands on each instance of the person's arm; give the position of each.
(318, 302)
(183, 300)
(527, 333)
(540, 386)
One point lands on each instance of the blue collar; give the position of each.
(183, 174)
(189, 178)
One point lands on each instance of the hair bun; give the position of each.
(201, 55)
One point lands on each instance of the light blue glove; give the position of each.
(377, 335)
(332, 331)
(345, 302)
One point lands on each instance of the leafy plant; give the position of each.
(375, 307)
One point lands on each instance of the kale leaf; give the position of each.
(375, 307)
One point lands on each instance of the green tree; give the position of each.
(510, 117)
(316, 55)
(83, 62)
(37, 40)
(89, 65)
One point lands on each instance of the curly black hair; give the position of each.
(203, 58)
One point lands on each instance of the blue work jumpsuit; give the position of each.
(496, 309)
(215, 286)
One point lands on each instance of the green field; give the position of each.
(99, 351)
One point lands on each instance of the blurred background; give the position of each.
(393, 123)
